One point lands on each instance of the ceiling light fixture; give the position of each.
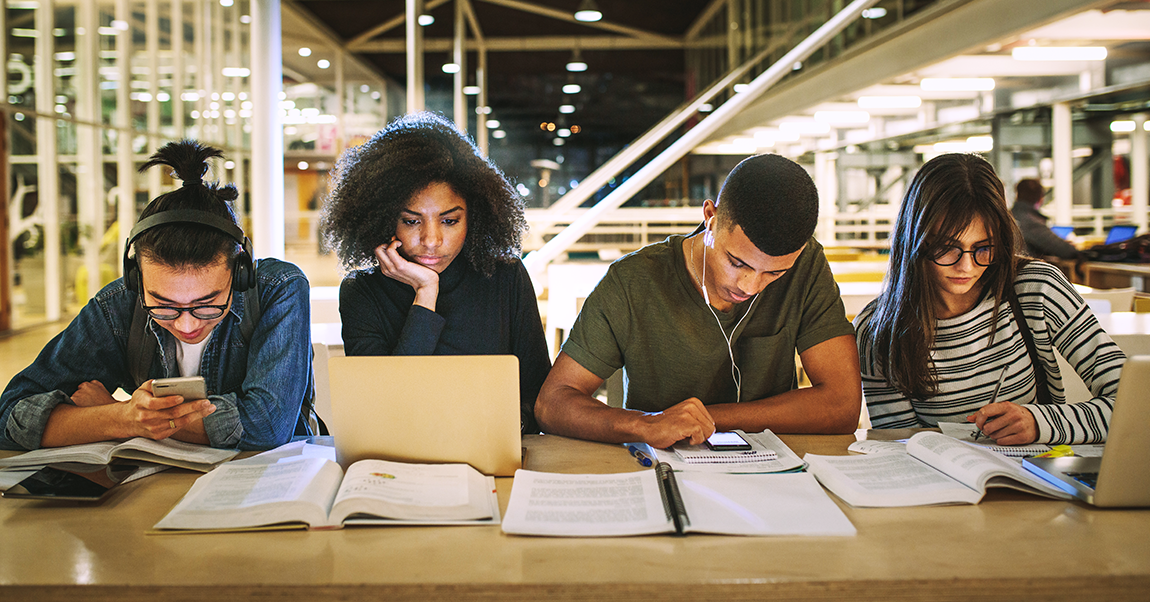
(1059, 53)
(425, 20)
(842, 117)
(576, 64)
(957, 84)
(450, 68)
(572, 88)
(471, 90)
(566, 109)
(889, 102)
(588, 12)
(304, 51)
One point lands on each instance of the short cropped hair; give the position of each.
(1029, 191)
(372, 183)
(774, 200)
(188, 245)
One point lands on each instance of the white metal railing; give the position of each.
(537, 261)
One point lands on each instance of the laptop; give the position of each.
(1120, 233)
(1121, 477)
(427, 409)
(1063, 232)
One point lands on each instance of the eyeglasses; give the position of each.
(950, 255)
(200, 312)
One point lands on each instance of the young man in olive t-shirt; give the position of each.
(706, 327)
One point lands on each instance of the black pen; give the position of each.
(993, 398)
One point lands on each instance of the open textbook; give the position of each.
(662, 501)
(314, 492)
(166, 451)
(936, 469)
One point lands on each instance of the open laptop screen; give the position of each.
(1062, 231)
(1120, 233)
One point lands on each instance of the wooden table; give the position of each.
(1010, 547)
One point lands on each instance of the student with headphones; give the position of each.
(705, 327)
(192, 302)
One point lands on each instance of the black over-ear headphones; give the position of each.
(243, 272)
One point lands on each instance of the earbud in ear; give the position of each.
(709, 234)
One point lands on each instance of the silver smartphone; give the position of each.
(190, 388)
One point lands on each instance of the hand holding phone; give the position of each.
(727, 442)
(190, 388)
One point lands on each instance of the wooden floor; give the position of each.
(18, 349)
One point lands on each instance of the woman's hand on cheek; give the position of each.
(423, 279)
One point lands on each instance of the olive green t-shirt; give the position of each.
(647, 317)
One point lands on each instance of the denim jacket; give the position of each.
(258, 389)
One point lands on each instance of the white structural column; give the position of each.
(827, 184)
(1139, 171)
(267, 179)
(47, 171)
(459, 57)
(178, 66)
(152, 46)
(1063, 146)
(125, 165)
(414, 37)
(89, 157)
(341, 98)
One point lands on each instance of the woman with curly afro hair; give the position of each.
(429, 231)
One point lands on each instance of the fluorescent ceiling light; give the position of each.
(566, 109)
(1059, 53)
(874, 13)
(957, 84)
(706, 107)
(1122, 126)
(576, 66)
(425, 20)
(572, 88)
(889, 102)
(471, 90)
(450, 68)
(739, 88)
(804, 127)
(237, 72)
(842, 117)
(497, 134)
(492, 124)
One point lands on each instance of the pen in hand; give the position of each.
(993, 398)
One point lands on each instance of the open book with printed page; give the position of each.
(169, 451)
(935, 469)
(660, 500)
(314, 492)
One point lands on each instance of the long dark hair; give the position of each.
(946, 195)
(185, 244)
(373, 183)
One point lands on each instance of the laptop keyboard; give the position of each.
(1090, 479)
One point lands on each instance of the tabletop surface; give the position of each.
(1011, 546)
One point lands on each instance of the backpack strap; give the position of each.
(141, 345)
(1041, 386)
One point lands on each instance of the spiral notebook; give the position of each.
(691, 455)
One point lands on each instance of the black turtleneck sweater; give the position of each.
(475, 315)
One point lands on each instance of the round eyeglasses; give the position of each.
(950, 255)
(200, 312)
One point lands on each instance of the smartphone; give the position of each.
(71, 482)
(727, 442)
(190, 388)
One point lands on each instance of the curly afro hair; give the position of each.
(372, 183)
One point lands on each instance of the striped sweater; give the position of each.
(968, 364)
